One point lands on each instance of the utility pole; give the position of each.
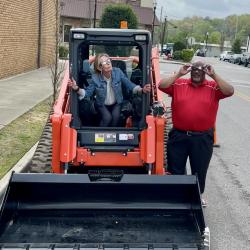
(163, 34)
(248, 43)
(206, 43)
(95, 15)
(161, 14)
(161, 28)
(236, 27)
(90, 18)
(166, 40)
(153, 24)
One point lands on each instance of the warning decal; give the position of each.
(105, 137)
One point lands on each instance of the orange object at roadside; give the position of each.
(123, 24)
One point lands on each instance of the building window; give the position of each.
(66, 30)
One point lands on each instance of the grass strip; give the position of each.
(21, 134)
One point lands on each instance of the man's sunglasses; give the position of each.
(106, 62)
(201, 68)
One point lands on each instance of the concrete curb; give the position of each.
(170, 61)
(18, 168)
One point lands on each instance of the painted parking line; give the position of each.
(165, 73)
(242, 86)
(243, 96)
(239, 82)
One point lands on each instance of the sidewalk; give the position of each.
(20, 93)
(163, 59)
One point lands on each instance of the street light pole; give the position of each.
(248, 43)
(153, 24)
(206, 43)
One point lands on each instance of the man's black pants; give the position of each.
(198, 146)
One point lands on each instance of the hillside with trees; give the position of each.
(217, 30)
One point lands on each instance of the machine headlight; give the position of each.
(79, 36)
(140, 37)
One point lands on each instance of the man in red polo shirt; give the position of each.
(195, 103)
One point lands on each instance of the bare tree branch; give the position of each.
(57, 67)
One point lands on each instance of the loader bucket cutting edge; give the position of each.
(157, 211)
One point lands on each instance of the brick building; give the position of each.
(27, 35)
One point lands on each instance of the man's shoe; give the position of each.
(203, 202)
(167, 172)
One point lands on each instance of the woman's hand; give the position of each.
(146, 88)
(73, 85)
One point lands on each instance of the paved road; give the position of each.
(228, 183)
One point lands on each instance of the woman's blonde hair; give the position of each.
(97, 62)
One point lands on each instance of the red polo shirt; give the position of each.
(194, 108)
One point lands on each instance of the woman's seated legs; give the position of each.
(116, 110)
(109, 115)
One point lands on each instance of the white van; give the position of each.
(226, 55)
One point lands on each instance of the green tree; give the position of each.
(112, 16)
(187, 55)
(236, 46)
(179, 46)
(115, 13)
(215, 37)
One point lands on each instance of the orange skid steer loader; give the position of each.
(107, 187)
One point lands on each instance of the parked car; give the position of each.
(245, 58)
(247, 61)
(235, 58)
(200, 52)
(226, 55)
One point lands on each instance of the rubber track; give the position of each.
(168, 127)
(41, 160)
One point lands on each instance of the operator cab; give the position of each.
(129, 50)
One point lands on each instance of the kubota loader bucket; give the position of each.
(49, 211)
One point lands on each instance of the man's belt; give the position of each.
(192, 133)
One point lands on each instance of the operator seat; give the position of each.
(136, 76)
(126, 107)
(86, 73)
(121, 65)
(87, 111)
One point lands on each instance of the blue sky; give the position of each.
(178, 9)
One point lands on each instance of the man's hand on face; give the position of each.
(186, 68)
(209, 70)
